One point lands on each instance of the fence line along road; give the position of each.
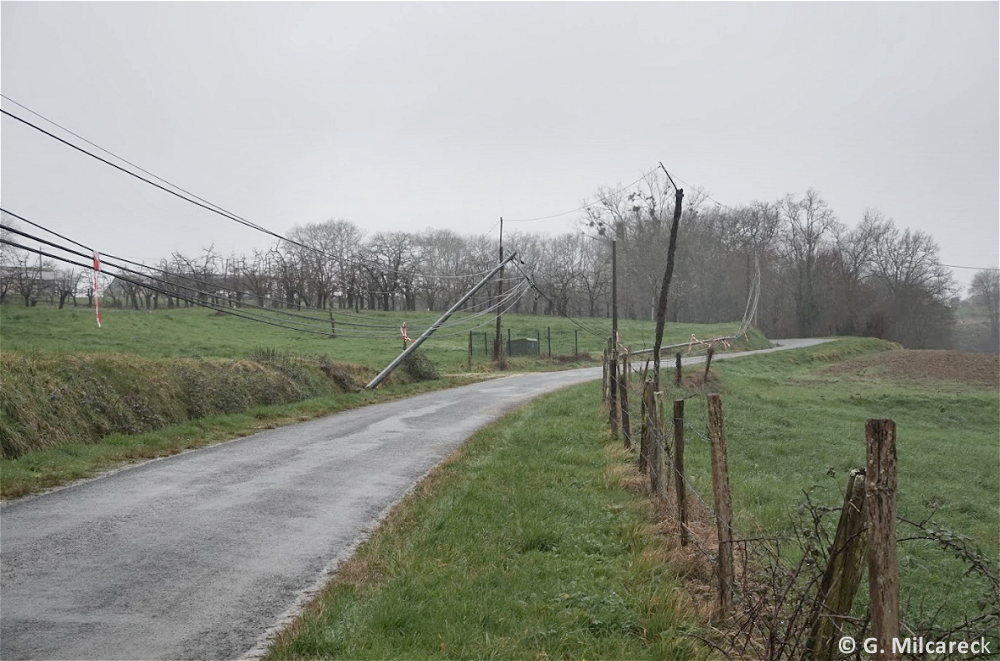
(196, 556)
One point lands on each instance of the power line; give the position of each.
(701, 191)
(971, 268)
(149, 281)
(531, 282)
(194, 199)
(581, 208)
(171, 289)
(211, 306)
(191, 278)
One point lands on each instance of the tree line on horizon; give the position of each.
(818, 276)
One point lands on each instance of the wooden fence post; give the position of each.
(604, 377)
(723, 506)
(843, 572)
(647, 431)
(613, 387)
(677, 371)
(880, 503)
(623, 402)
(659, 477)
(708, 362)
(679, 468)
(470, 351)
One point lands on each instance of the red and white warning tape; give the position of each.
(97, 293)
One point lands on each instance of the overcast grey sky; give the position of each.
(413, 115)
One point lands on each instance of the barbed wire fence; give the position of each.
(797, 595)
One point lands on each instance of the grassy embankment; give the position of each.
(76, 400)
(489, 559)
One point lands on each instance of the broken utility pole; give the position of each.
(661, 307)
(437, 324)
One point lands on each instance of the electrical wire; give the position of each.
(971, 268)
(581, 208)
(702, 192)
(201, 297)
(198, 201)
(237, 293)
(517, 265)
(125, 278)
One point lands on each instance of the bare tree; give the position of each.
(595, 276)
(66, 283)
(8, 257)
(257, 275)
(853, 297)
(445, 253)
(388, 261)
(916, 288)
(808, 223)
(30, 276)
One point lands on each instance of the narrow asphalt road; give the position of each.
(197, 556)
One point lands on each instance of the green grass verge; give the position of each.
(38, 470)
(524, 544)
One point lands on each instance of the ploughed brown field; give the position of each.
(978, 369)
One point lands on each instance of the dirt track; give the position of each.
(978, 369)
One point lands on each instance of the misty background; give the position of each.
(403, 118)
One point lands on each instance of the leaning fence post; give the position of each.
(645, 429)
(843, 572)
(679, 468)
(659, 478)
(613, 386)
(623, 402)
(648, 427)
(723, 507)
(604, 377)
(708, 362)
(880, 503)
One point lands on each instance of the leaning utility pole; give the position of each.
(437, 324)
(661, 308)
(497, 343)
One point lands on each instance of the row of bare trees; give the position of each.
(818, 275)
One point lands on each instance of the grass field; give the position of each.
(76, 399)
(795, 424)
(194, 332)
(491, 560)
